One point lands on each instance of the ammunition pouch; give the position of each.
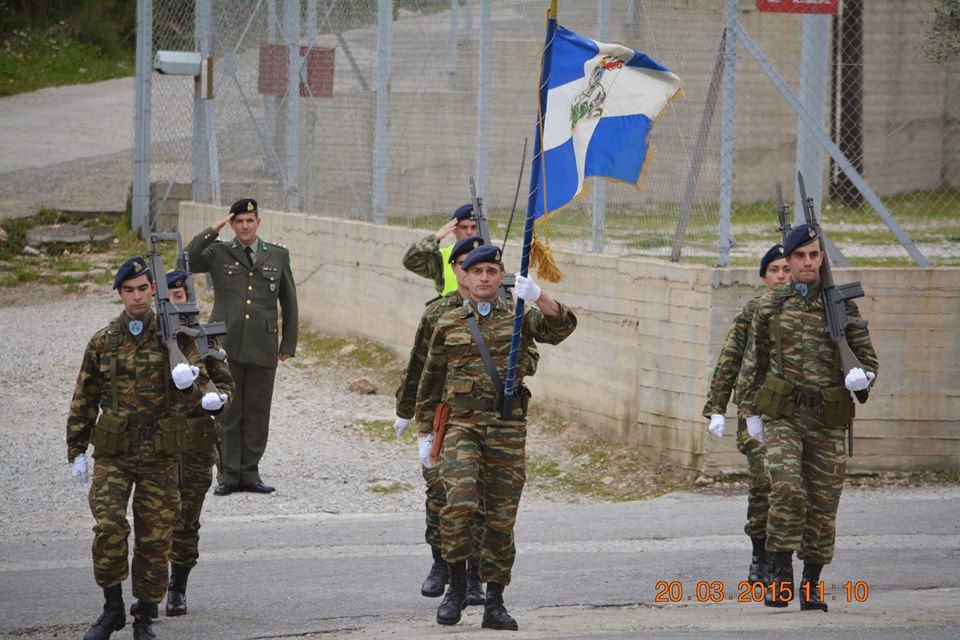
(172, 436)
(775, 397)
(521, 402)
(109, 435)
(838, 408)
(201, 434)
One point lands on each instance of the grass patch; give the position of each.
(381, 430)
(389, 488)
(541, 466)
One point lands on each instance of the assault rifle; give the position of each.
(835, 303)
(484, 230)
(783, 212)
(183, 318)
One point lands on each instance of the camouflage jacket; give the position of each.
(728, 364)
(809, 357)
(143, 383)
(455, 369)
(426, 259)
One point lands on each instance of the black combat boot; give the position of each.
(152, 609)
(177, 590)
(811, 578)
(456, 599)
(495, 615)
(113, 617)
(143, 615)
(474, 588)
(759, 563)
(780, 592)
(436, 580)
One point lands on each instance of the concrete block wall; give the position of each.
(637, 369)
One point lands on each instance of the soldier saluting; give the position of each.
(468, 351)
(796, 398)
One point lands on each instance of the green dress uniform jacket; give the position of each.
(246, 297)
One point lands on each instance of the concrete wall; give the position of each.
(638, 366)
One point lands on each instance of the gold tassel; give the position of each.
(542, 260)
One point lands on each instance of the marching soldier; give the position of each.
(796, 398)
(774, 271)
(126, 405)
(196, 465)
(250, 277)
(479, 443)
(425, 258)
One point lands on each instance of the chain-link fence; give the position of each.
(391, 106)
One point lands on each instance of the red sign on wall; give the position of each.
(799, 6)
(318, 76)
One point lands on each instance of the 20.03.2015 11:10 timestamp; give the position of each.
(716, 591)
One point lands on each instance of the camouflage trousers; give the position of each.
(495, 454)
(436, 500)
(807, 464)
(196, 475)
(152, 479)
(758, 497)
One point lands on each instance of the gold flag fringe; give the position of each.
(541, 259)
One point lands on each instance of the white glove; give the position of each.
(213, 401)
(401, 424)
(425, 443)
(858, 379)
(716, 425)
(184, 375)
(755, 428)
(79, 469)
(526, 288)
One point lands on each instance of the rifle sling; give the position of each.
(485, 355)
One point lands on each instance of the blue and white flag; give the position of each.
(601, 102)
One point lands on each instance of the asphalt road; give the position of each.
(582, 571)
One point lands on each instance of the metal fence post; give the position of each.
(291, 28)
(206, 162)
(454, 38)
(814, 73)
(310, 136)
(140, 197)
(599, 188)
(270, 103)
(483, 98)
(381, 135)
(726, 136)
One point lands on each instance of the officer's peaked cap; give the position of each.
(800, 235)
(465, 245)
(463, 212)
(132, 268)
(247, 205)
(483, 253)
(774, 253)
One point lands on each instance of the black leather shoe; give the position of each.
(225, 489)
(257, 487)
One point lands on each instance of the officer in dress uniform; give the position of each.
(425, 257)
(483, 452)
(131, 405)
(250, 278)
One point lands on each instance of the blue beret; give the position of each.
(801, 235)
(462, 213)
(176, 279)
(465, 245)
(132, 268)
(247, 205)
(483, 253)
(774, 253)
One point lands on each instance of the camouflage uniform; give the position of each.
(805, 450)
(196, 474)
(721, 385)
(478, 442)
(129, 377)
(428, 260)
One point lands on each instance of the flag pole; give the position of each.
(535, 182)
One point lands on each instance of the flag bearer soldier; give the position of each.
(130, 406)
(196, 467)
(774, 271)
(250, 278)
(795, 395)
(427, 259)
(479, 443)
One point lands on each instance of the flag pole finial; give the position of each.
(552, 10)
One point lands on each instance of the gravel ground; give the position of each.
(321, 457)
